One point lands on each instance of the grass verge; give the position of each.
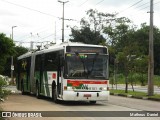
(135, 94)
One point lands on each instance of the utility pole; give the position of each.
(31, 43)
(12, 66)
(151, 54)
(55, 33)
(63, 19)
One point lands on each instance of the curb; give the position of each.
(136, 97)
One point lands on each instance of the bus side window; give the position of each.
(38, 63)
(61, 61)
(51, 62)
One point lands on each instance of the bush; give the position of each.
(3, 92)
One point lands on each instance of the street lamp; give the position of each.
(12, 66)
(63, 19)
(12, 31)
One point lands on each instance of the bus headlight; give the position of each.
(104, 88)
(69, 88)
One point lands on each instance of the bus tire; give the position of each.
(37, 91)
(22, 88)
(92, 102)
(54, 95)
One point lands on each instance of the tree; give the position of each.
(18, 51)
(142, 38)
(117, 32)
(141, 65)
(125, 47)
(97, 20)
(86, 35)
(91, 28)
(6, 50)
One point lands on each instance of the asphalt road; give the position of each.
(18, 102)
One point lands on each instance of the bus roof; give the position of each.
(57, 47)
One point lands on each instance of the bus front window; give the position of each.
(86, 66)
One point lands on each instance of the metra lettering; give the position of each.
(84, 86)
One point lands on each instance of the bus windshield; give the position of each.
(86, 66)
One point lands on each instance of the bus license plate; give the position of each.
(87, 95)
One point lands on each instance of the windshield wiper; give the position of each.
(84, 68)
(94, 59)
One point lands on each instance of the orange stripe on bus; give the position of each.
(75, 82)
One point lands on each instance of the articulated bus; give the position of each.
(68, 71)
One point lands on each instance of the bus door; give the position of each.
(60, 74)
(32, 80)
(39, 64)
(42, 60)
(28, 66)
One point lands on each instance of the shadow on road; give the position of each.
(65, 103)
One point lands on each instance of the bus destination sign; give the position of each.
(81, 49)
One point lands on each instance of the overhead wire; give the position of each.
(149, 6)
(83, 3)
(130, 7)
(30, 9)
(99, 2)
(142, 5)
(36, 10)
(35, 31)
(142, 12)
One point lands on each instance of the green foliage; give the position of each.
(6, 50)
(6, 93)
(86, 35)
(18, 51)
(3, 83)
(157, 80)
(136, 78)
(135, 94)
(3, 93)
(120, 79)
(90, 31)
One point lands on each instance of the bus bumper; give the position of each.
(86, 96)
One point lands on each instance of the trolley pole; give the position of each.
(151, 54)
(63, 19)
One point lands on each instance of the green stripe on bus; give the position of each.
(46, 84)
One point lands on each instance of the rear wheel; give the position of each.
(37, 91)
(22, 88)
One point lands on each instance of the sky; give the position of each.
(39, 20)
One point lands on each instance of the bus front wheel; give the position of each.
(54, 95)
(92, 102)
